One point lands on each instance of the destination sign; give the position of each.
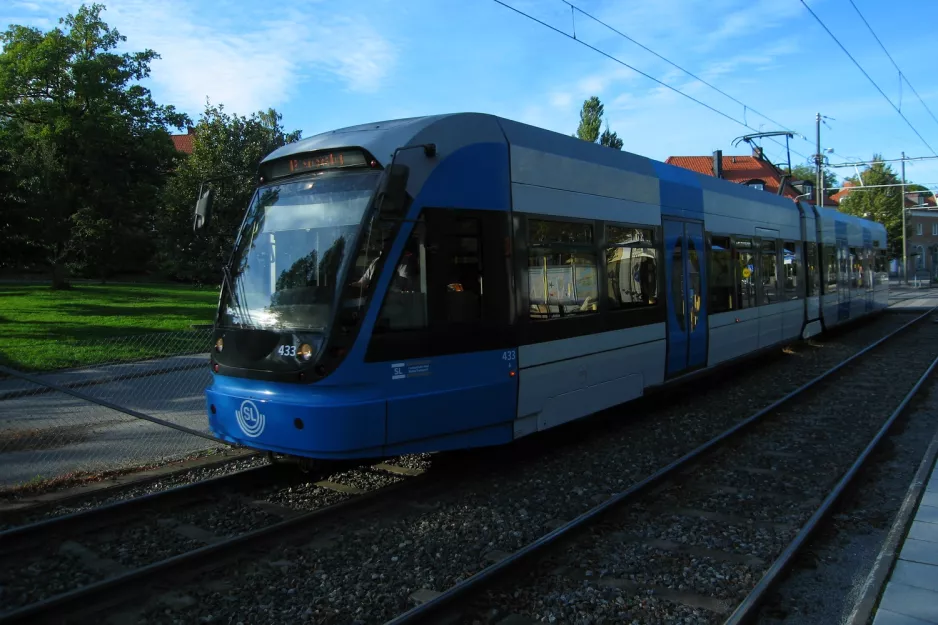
(317, 161)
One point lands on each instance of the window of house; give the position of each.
(769, 273)
(934, 229)
(745, 272)
(631, 267)
(757, 184)
(562, 269)
(918, 229)
(722, 276)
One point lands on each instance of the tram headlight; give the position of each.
(305, 352)
(219, 344)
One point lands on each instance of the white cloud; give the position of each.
(594, 84)
(246, 65)
(560, 99)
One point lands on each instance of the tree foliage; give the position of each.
(610, 139)
(883, 204)
(591, 120)
(228, 146)
(85, 149)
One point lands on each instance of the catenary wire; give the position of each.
(686, 71)
(636, 70)
(902, 76)
(873, 82)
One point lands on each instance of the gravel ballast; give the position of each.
(170, 531)
(131, 491)
(368, 570)
(828, 576)
(836, 421)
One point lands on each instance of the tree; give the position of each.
(89, 146)
(591, 120)
(882, 204)
(224, 145)
(807, 172)
(610, 139)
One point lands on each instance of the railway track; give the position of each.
(187, 526)
(219, 533)
(28, 508)
(732, 513)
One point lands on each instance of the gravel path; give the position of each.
(367, 572)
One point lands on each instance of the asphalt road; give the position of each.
(48, 434)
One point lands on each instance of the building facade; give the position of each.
(922, 242)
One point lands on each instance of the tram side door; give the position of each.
(685, 282)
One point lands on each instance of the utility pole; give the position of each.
(905, 256)
(817, 159)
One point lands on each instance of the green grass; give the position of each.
(42, 329)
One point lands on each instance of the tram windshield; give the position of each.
(295, 239)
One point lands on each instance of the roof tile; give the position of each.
(739, 169)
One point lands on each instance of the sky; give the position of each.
(326, 64)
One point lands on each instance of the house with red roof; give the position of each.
(184, 143)
(753, 171)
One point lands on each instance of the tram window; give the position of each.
(454, 270)
(543, 232)
(562, 269)
(813, 282)
(829, 253)
(769, 273)
(854, 278)
(791, 268)
(631, 268)
(745, 273)
(722, 291)
(879, 258)
(843, 261)
(693, 287)
(405, 304)
(677, 281)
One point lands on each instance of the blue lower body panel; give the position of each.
(338, 422)
(310, 428)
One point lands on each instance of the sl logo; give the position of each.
(250, 418)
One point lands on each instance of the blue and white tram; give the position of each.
(463, 280)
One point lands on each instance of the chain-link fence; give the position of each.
(138, 402)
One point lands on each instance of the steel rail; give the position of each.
(40, 502)
(71, 605)
(25, 537)
(460, 591)
(748, 609)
